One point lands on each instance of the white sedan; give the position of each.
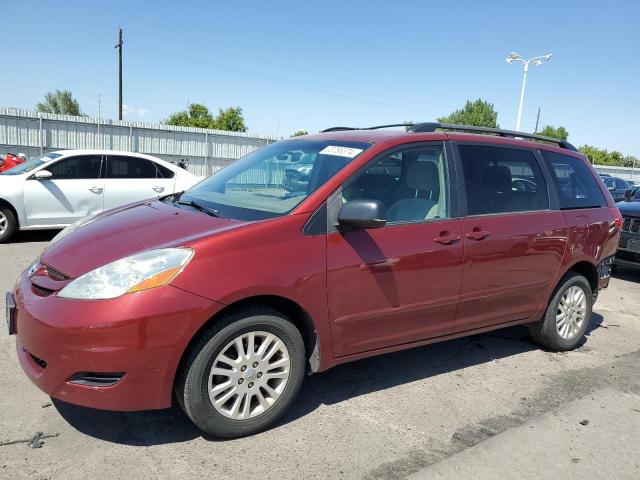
(58, 188)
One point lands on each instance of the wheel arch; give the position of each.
(8, 204)
(586, 269)
(287, 307)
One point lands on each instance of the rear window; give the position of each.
(576, 186)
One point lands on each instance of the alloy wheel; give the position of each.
(4, 223)
(249, 375)
(572, 312)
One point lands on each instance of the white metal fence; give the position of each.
(626, 173)
(206, 150)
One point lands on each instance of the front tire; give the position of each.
(567, 317)
(8, 223)
(242, 373)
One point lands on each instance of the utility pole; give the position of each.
(537, 120)
(119, 47)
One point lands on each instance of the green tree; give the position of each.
(230, 119)
(479, 113)
(197, 115)
(599, 156)
(61, 102)
(630, 161)
(560, 132)
(300, 133)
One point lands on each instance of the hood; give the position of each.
(629, 208)
(125, 231)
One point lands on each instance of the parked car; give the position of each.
(617, 187)
(628, 253)
(58, 188)
(10, 160)
(226, 295)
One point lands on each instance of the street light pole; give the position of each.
(515, 57)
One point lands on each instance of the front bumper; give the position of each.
(141, 335)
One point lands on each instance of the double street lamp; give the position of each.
(515, 57)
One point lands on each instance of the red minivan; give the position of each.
(226, 295)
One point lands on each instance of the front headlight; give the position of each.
(142, 271)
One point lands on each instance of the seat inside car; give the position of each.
(422, 180)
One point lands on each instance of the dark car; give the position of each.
(628, 253)
(616, 186)
(224, 297)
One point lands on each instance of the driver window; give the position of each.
(75, 168)
(412, 184)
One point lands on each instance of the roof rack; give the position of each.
(341, 129)
(433, 126)
(428, 127)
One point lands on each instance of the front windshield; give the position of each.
(273, 180)
(29, 165)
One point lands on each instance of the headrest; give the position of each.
(498, 178)
(422, 176)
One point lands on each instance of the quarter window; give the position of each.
(75, 168)
(576, 186)
(411, 184)
(499, 180)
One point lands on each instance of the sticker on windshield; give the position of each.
(340, 151)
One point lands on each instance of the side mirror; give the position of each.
(362, 214)
(42, 175)
(612, 188)
(628, 195)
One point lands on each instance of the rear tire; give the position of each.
(8, 223)
(567, 317)
(229, 394)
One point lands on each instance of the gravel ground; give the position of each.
(487, 406)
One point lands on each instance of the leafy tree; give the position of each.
(300, 133)
(479, 113)
(199, 116)
(61, 102)
(630, 161)
(230, 119)
(599, 156)
(560, 132)
(196, 115)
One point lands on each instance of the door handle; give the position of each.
(158, 189)
(96, 189)
(446, 238)
(477, 234)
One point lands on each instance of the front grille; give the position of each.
(631, 225)
(55, 275)
(628, 256)
(96, 379)
(40, 291)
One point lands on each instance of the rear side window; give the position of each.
(499, 180)
(576, 186)
(133, 167)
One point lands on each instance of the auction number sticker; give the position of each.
(347, 152)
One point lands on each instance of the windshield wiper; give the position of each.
(203, 208)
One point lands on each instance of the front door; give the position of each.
(513, 242)
(399, 283)
(75, 190)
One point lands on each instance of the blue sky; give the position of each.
(311, 65)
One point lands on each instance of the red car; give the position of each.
(226, 295)
(10, 160)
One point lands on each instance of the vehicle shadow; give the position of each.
(334, 386)
(26, 236)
